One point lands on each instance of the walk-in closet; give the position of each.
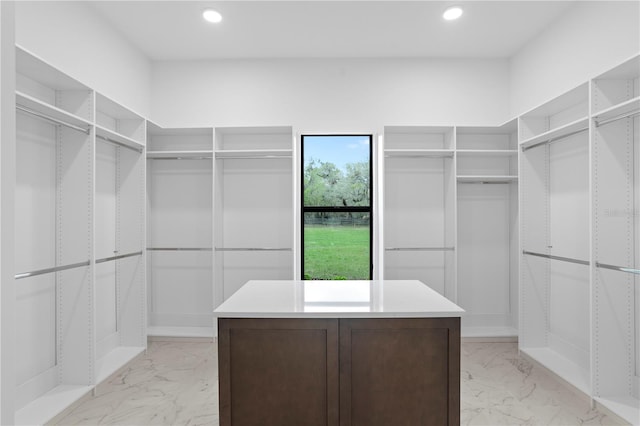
(153, 162)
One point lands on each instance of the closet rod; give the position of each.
(563, 259)
(180, 158)
(618, 268)
(179, 249)
(52, 119)
(557, 138)
(49, 270)
(450, 155)
(118, 257)
(252, 157)
(617, 117)
(486, 182)
(419, 248)
(251, 249)
(124, 145)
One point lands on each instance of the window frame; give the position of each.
(337, 209)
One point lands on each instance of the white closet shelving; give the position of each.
(253, 206)
(487, 229)
(120, 319)
(419, 200)
(554, 287)
(180, 231)
(53, 240)
(80, 268)
(615, 105)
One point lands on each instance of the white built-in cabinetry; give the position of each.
(79, 233)
(450, 218)
(487, 229)
(180, 231)
(579, 188)
(419, 206)
(253, 206)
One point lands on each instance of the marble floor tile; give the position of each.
(175, 383)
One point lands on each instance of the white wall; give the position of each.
(590, 38)
(330, 95)
(73, 37)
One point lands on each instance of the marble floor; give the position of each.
(175, 383)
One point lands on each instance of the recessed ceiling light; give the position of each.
(211, 15)
(452, 13)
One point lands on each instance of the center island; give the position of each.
(342, 353)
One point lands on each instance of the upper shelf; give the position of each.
(253, 153)
(487, 152)
(621, 109)
(199, 154)
(51, 111)
(108, 135)
(419, 153)
(559, 132)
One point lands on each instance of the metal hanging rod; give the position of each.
(251, 249)
(180, 158)
(118, 257)
(419, 248)
(618, 268)
(50, 270)
(52, 119)
(557, 138)
(179, 249)
(563, 259)
(434, 155)
(486, 182)
(124, 145)
(617, 117)
(252, 157)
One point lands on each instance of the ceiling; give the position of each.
(175, 30)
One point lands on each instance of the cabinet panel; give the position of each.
(278, 372)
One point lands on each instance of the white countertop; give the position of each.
(337, 299)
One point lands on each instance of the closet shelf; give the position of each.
(487, 152)
(253, 153)
(107, 135)
(417, 153)
(487, 179)
(563, 367)
(114, 360)
(621, 109)
(557, 133)
(196, 155)
(48, 110)
(49, 405)
(626, 407)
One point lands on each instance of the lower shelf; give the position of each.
(489, 332)
(561, 366)
(627, 408)
(114, 360)
(51, 404)
(180, 331)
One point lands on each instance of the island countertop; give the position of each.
(337, 299)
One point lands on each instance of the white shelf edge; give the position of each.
(239, 153)
(627, 408)
(486, 178)
(49, 405)
(557, 132)
(488, 152)
(114, 360)
(621, 108)
(51, 110)
(561, 366)
(180, 331)
(186, 154)
(117, 137)
(418, 152)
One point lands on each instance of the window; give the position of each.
(336, 207)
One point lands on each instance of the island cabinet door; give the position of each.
(401, 372)
(279, 372)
